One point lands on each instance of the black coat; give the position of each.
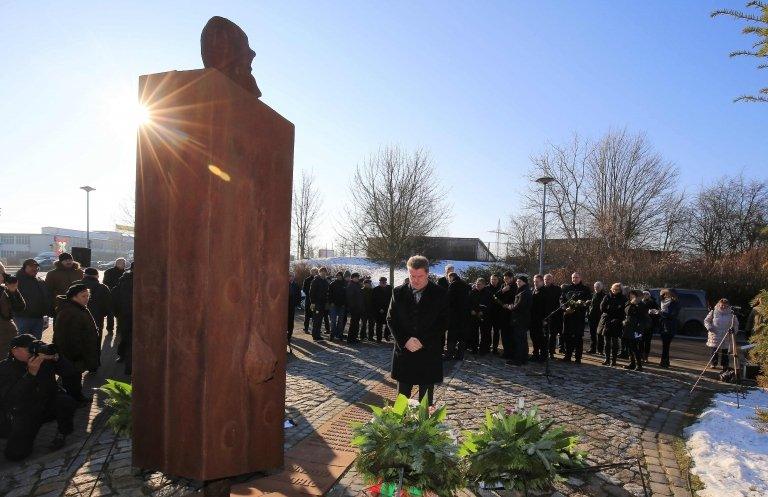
(36, 296)
(354, 298)
(425, 321)
(370, 312)
(443, 282)
(612, 317)
(594, 312)
(100, 304)
(318, 292)
(112, 276)
(480, 302)
(122, 299)
(520, 313)
(337, 292)
(382, 296)
(574, 321)
(75, 334)
(635, 321)
(294, 295)
(19, 390)
(458, 304)
(503, 298)
(305, 286)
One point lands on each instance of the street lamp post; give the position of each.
(544, 180)
(88, 190)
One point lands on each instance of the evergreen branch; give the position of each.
(738, 15)
(751, 98)
(745, 52)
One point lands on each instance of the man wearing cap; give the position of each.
(29, 397)
(100, 303)
(382, 294)
(65, 272)
(37, 298)
(520, 312)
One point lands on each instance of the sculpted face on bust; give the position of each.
(224, 46)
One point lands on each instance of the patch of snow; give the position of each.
(730, 455)
(375, 270)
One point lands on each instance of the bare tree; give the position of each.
(730, 216)
(565, 195)
(629, 184)
(395, 200)
(675, 219)
(523, 233)
(306, 211)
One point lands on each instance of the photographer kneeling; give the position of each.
(30, 396)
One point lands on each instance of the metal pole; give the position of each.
(543, 223)
(88, 218)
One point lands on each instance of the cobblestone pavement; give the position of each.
(621, 415)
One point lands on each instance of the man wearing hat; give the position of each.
(520, 314)
(100, 303)
(65, 272)
(37, 298)
(28, 391)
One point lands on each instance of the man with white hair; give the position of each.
(444, 281)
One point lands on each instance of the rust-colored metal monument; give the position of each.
(213, 201)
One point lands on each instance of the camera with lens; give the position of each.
(38, 347)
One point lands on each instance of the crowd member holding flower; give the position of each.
(574, 299)
(417, 320)
(718, 322)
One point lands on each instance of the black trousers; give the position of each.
(645, 346)
(484, 326)
(635, 351)
(291, 319)
(21, 430)
(507, 341)
(612, 346)
(354, 327)
(538, 339)
(666, 341)
(519, 344)
(307, 317)
(498, 323)
(555, 328)
(125, 347)
(426, 389)
(381, 327)
(597, 342)
(455, 343)
(317, 321)
(110, 323)
(368, 327)
(574, 344)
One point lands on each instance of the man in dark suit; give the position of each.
(417, 319)
(318, 296)
(382, 295)
(520, 312)
(307, 302)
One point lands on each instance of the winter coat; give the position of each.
(504, 298)
(337, 292)
(354, 298)
(318, 292)
(538, 306)
(19, 390)
(305, 286)
(551, 294)
(112, 276)
(100, 304)
(369, 312)
(60, 279)
(443, 282)
(612, 315)
(36, 296)
(594, 312)
(10, 304)
(652, 324)
(635, 321)
(494, 309)
(122, 299)
(294, 295)
(574, 321)
(480, 302)
(426, 321)
(520, 313)
(75, 334)
(668, 311)
(382, 296)
(717, 323)
(458, 304)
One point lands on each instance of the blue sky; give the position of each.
(482, 85)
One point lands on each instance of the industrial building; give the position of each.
(441, 248)
(105, 245)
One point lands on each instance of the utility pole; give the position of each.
(88, 190)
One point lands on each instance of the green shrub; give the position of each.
(759, 354)
(519, 450)
(119, 400)
(407, 437)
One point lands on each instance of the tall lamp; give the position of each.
(544, 180)
(88, 190)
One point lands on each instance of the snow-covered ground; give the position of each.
(730, 455)
(375, 270)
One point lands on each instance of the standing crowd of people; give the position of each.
(41, 382)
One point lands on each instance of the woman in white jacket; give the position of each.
(718, 322)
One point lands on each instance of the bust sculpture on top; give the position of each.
(224, 46)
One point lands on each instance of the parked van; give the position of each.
(693, 310)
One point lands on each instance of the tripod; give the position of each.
(730, 334)
(545, 326)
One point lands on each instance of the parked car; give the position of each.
(693, 310)
(46, 260)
